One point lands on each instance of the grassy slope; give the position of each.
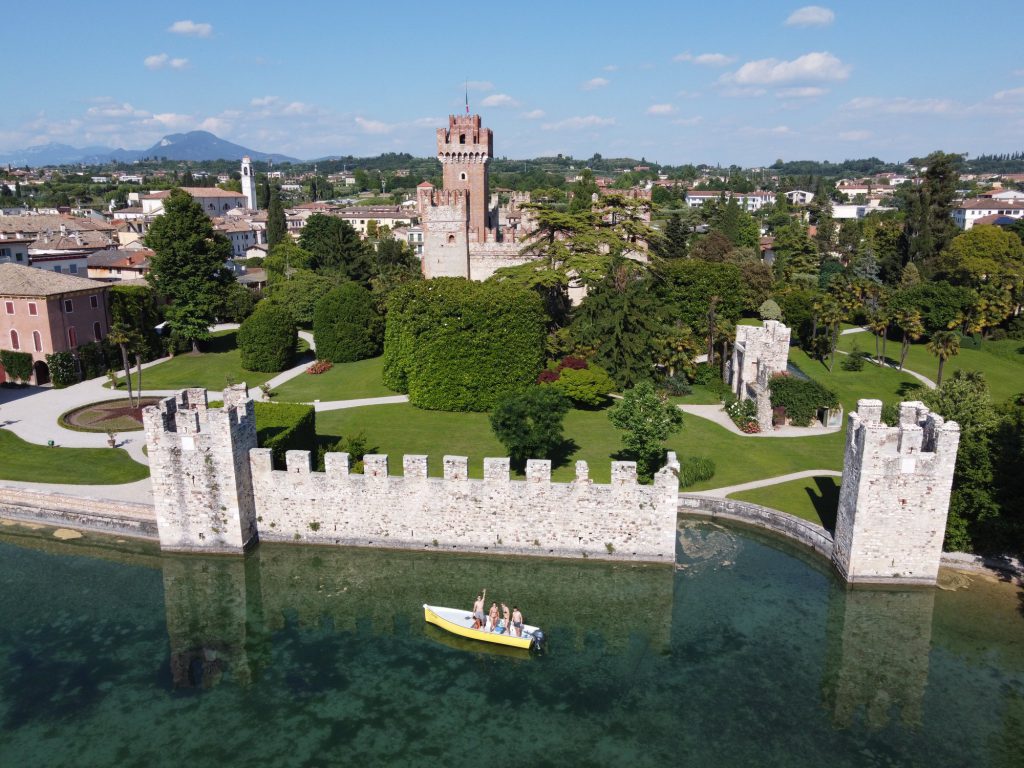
(88, 466)
(345, 381)
(813, 498)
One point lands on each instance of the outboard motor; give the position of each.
(538, 640)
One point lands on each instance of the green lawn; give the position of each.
(700, 395)
(886, 384)
(813, 498)
(88, 466)
(219, 361)
(345, 381)
(400, 429)
(1002, 362)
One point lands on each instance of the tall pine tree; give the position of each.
(277, 226)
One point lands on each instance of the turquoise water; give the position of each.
(748, 654)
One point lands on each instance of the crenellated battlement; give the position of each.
(534, 516)
(465, 136)
(434, 198)
(895, 494)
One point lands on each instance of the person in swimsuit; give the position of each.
(517, 621)
(506, 621)
(492, 617)
(478, 610)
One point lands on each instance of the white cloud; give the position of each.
(478, 85)
(577, 123)
(373, 126)
(298, 108)
(778, 130)
(811, 67)
(263, 101)
(696, 120)
(534, 114)
(610, 68)
(855, 135)
(811, 16)
(901, 105)
(803, 92)
(1012, 93)
(706, 59)
(161, 60)
(116, 110)
(499, 100)
(661, 109)
(215, 125)
(189, 27)
(595, 82)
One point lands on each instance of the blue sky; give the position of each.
(718, 82)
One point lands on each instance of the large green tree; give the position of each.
(346, 325)
(928, 225)
(188, 266)
(647, 421)
(529, 423)
(277, 225)
(984, 255)
(336, 248)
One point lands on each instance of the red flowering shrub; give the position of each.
(547, 376)
(750, 427)
(320, 366)
(576, 363)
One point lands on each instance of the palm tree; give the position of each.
(831, 314)
(878, 324)
(944, 345)
(122, 336)
(913, 329)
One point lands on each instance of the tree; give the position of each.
(674, 246)
(267, 338)
(928, 225)
(795, 254)
(770, 310)
(944, 345)
(829, 314)
(336, 248)
(587, 387)
(121, 335)
(973, 510)
(346, 325)
(300, 294)
(277, 225)
(984, 255)
(284, 259)
(529, 423)
(647, 420)
(583, 191)
(909, 321)
(187, 267)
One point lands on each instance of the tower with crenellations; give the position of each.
(895, 495)
(465, 148)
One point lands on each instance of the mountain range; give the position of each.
(194, 145)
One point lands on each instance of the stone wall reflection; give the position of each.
(877, 655)
(222, 611)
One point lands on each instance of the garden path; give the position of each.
(721, 493)
(717, 414)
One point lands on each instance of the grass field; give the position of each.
(886, 384)
(813, 498)
(345, 381)
(1002, 362)
(86, 466)
(400, 429)
(219, 362)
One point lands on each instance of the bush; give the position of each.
(18, 365)
(356, 446)
(96, 359)
(1016, 328)
(283, 427)
(63, 371)
(585, 386)
(853, 361)
(972, 341)
(457, 345)
(695, 469)
(770, 310)
(320, 366)
(529, 424)
(998, 334)
(801, 398)
(239, 303)
(677, 386)
(346, 325)
(744, 413)
(267, 339)
(706, 374)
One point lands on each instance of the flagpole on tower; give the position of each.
(467, 95)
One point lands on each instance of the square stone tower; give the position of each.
(755, 344)
(895, 495)
(199, 467)
(465, 149)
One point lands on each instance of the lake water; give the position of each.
(748, 654)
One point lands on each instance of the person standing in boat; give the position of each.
(506, 620)
(492, 617)
(478, 610)
(517, 622)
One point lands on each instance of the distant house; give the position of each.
(213, 200)
(43, 312)
(967, 214)
(14, 250)
(114, 264)
(799, 197)
(749, 201)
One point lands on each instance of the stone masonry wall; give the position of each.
(199, 466)
(532, 517)
(768, 344)
(445, 243)
(895, 495)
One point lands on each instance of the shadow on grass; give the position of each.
(225, 343)
(825, 501)
(910, 389)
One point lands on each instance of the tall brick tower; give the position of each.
(464, 149)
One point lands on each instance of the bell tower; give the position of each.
(248, 184)
(464, 149)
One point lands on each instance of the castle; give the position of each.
(216, 491)
(466, 232)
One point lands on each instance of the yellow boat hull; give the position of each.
(462, 627)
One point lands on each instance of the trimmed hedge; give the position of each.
(457, 345)
(346, 325)
(18, 365)
(283, 427)
(801, 398)
(267, 338)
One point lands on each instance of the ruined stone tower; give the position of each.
(895, 495)
(199, 467)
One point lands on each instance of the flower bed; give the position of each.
(320, 366)
(744, 415)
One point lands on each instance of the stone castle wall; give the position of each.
(199, 466)
(445, 235)
(767, 344)
(623, 520)
(895, 495)
(487, 258)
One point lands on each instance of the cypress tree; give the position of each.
(277, 227)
